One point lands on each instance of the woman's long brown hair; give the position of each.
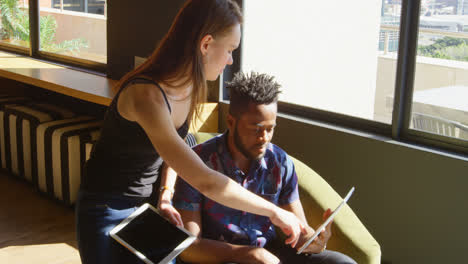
(178, 55)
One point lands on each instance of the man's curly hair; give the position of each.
(257, 88)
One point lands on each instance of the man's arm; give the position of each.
(321, 241)
(297, 209)
(212, 251)
(289, 201)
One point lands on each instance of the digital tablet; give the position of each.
(150, 236)
(322, 226)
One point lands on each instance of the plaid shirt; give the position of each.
(272, 177)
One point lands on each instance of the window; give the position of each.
(67, 31)
(440, 91)
(75, 28)
(86, 6)
(334, 56)
(14, 27)
(361, 64)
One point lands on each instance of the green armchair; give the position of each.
(350, 236)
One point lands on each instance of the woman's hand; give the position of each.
(289, 224)
(169, 212)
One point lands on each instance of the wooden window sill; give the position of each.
(82, 85)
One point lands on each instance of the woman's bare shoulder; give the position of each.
(141, 98)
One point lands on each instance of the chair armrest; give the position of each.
(350, 236)
(201, 137)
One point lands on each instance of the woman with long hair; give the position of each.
(147, 122)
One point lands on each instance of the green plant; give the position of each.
(446, 48)
(15, 23)
(15, 28)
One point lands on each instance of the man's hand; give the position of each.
(169, 212)
(258, 255)
(319, 243)
(289, 224)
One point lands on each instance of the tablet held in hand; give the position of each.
(327, 221)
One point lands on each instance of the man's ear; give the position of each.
(230, 122)
(205, 43)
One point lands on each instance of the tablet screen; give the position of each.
(152, 235)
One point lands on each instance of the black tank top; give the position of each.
(123, 160)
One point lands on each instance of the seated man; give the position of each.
(245, 154)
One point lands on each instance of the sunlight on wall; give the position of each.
(323, 53)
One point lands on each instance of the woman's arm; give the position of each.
(168, 179)
(145, 105)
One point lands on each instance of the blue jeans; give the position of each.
(96, 214)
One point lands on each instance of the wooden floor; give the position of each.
(33, 228)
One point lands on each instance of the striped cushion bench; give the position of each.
(7, 100)
(20, 124)
(86, 148)
(62, 154)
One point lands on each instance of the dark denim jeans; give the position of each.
(287, 255)
(96, 215)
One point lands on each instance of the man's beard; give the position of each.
(242, 149)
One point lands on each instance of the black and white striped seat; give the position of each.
(21, 122)
(87, 148)
(44, 146)
(7, 100)
(13, 99)
(62, 156)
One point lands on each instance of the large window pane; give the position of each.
(75, 28)
(86, 6)
(337, 56)
(440, 96)
(14, 26)
(389, 36)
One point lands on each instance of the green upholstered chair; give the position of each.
(350, 236)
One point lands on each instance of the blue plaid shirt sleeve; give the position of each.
(289, 192)
(186, 197)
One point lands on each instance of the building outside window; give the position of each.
(72, 30)
(80, 28)
(440, 97)
(85, 6)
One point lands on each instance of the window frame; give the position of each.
(34, 52)
(399, 129)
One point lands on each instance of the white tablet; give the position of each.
(151, 237)
(322, 226)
